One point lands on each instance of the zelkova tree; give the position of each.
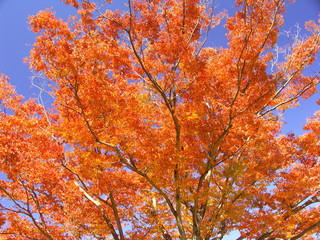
(153, 134)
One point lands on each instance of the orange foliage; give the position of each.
(155, 135)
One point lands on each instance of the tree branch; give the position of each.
(306, 231)
(104, 215)
(116, 215)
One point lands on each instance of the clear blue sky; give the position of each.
(16, 40)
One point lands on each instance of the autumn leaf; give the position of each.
(154, 133)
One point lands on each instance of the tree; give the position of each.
(153, 134)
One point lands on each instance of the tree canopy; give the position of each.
(154, 134)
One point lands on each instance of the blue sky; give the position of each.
(16, 40)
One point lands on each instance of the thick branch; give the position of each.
(104, 215)
(313, 199)
(306, 231)
(116, 215)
